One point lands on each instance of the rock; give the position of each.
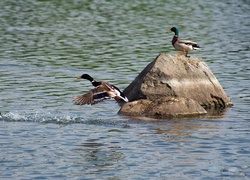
(178, 84)
(168, 106)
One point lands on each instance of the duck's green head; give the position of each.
(175, 30)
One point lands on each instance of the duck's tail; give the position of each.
(196, 47)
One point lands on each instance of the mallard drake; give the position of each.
(182, 45)
(102, 91)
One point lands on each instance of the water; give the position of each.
(45, 45)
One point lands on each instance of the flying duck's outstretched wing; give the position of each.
(94, 96)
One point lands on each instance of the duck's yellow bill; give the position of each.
(79, 77)
(169, 30)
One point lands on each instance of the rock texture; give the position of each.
(174, 85)
(168, 106)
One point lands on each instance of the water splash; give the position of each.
(41, 117)
(60, 118)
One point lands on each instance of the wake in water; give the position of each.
(41, 117)
(60, 118)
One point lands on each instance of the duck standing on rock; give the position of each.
(182, 45)
(102, 91)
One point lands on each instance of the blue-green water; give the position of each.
(45, 45)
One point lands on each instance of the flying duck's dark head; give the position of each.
(175, 30)
(86, 76)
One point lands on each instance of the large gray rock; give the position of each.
(189, 82)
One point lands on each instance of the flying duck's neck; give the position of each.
(95, 83)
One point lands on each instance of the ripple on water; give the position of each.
(46, 44)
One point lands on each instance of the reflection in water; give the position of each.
(98, 157)
(177, 130)
(216, 113)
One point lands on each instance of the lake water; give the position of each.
(45, 45)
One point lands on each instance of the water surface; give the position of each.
(45, 45)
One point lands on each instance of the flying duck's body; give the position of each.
(102, 91)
